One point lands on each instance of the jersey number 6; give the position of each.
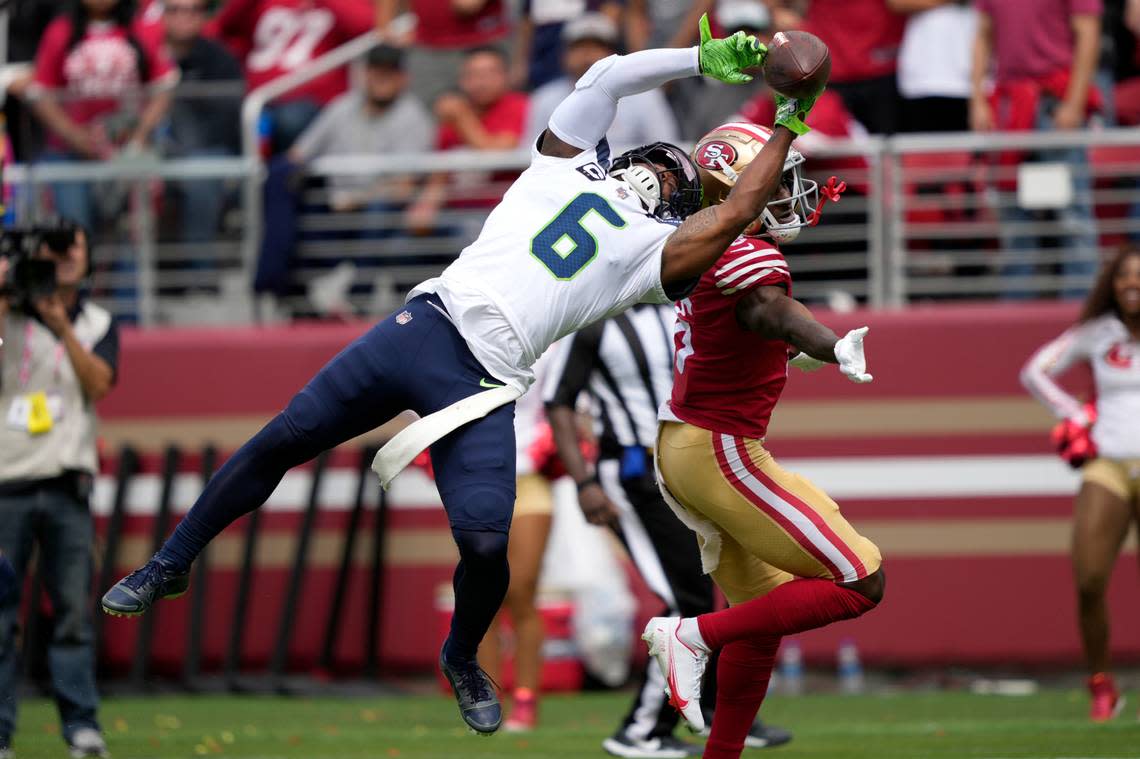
(565, 246)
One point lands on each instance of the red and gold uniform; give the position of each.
(758, 525)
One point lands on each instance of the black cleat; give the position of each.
(766, 736)
(475, 694)
(138, 591)
(759, 735)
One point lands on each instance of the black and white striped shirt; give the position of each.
(626, 364)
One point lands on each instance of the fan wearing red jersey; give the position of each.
(776, 545)
(276, 37)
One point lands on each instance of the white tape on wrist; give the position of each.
(398, 452)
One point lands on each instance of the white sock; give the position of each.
(690, 633)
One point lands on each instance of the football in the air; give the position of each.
(798, 64)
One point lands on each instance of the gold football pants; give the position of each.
(759, 525)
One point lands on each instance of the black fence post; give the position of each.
(232, 667)
(332, 628)
(170, 462)
(287, 624)
(127, 467)
(376, 589)
(192, 665)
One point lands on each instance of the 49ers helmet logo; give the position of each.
(1119, 356)
(713, 151)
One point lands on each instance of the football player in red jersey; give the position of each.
(776, 545)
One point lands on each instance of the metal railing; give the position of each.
(926, 217)
(134, 266)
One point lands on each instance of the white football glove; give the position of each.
(805, 363)
(849, 353)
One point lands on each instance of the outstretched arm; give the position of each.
(583, 118)
(770, 312)
(704, 236)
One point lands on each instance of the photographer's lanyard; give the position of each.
(26, 358)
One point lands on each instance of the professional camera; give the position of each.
(31, 276)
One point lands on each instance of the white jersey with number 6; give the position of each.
(567, 245)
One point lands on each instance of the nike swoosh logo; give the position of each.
(675, 699)
(484, 383)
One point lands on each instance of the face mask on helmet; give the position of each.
(639, 169)
(791, 211)
(727, 150)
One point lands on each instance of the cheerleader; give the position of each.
(1104, 441)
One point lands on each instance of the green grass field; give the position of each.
(1050, 724)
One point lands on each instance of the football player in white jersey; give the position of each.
(1104, 440)
(574, 240)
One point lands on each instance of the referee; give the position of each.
(625, 363)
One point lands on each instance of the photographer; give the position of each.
(58, 357)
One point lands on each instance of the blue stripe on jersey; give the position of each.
(603, 151)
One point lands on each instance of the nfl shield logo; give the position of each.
(622, 193)
(403, 318)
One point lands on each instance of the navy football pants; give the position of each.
(424, 365)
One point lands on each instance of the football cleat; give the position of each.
(682, 665)
(87, 742)
(138, 591)
(475, 694)
(665, 747)
(1107, 703)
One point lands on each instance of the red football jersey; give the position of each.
(482, 190)
(275, 37)
(441, 26)
(95, 73)
(149, 24)
(726, 378)
(862, 35)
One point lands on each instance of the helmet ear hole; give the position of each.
(658, 159)
(644, 183)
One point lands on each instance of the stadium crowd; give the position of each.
(112, 78)
(110, 81)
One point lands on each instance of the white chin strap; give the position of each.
(644, 184)
(781, 233)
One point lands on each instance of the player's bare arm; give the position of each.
(703, 237)
(770, 312)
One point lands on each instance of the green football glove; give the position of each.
(725, 59)
(791, 112)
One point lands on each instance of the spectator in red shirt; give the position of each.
(864, 38)
(149, 22)
(277, 37)
(484, 115)
(829, 120)
(99, 89)
(446, 30)
(1046, 54)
